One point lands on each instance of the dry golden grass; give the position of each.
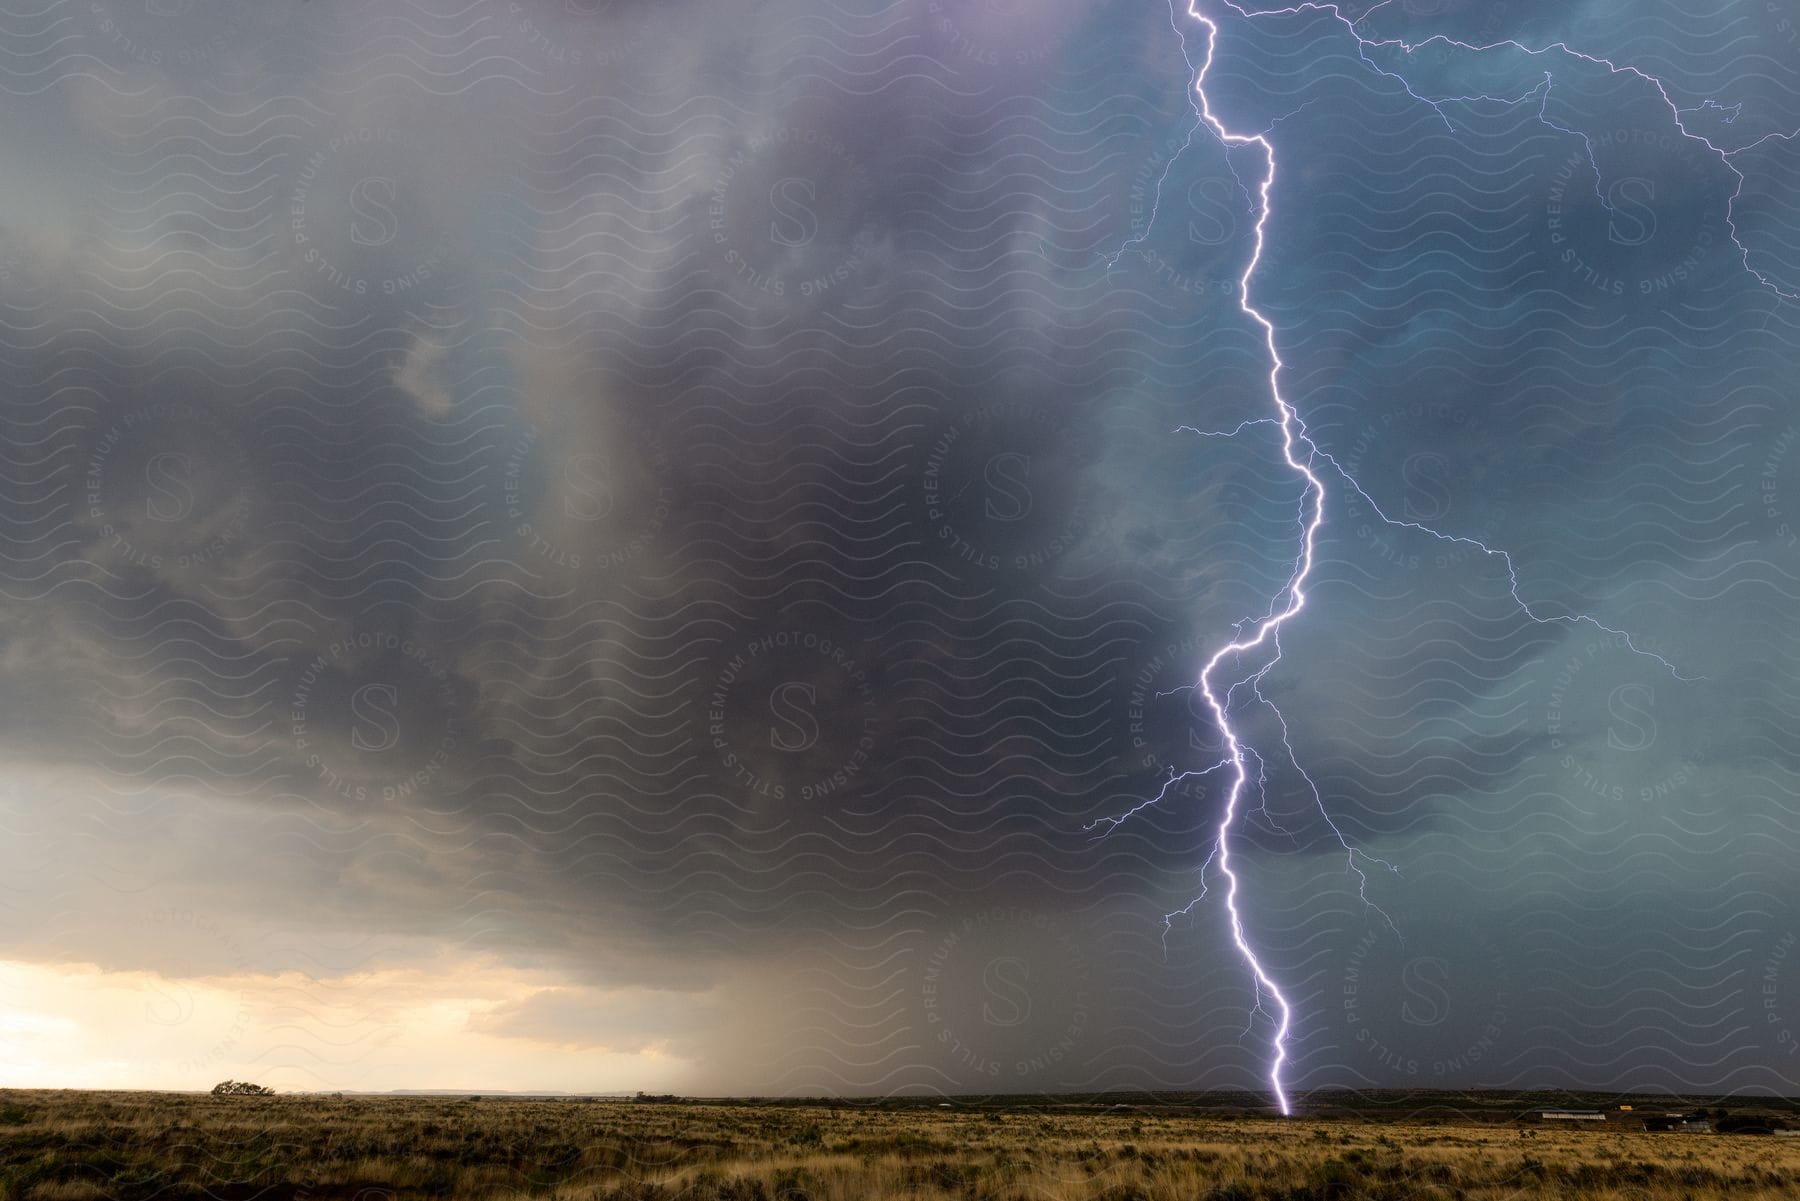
(73, 1146)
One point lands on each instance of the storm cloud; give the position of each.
(650, 540)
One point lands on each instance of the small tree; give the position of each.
(241, 1088)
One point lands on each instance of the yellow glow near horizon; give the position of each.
(81, 1026)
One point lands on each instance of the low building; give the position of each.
(1571, 1115)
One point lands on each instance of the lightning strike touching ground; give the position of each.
(1302, 456)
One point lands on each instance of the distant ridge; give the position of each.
(446, 1092)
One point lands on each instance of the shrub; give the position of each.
(1334, 1179)
(1124, 1192)
(240, 1088)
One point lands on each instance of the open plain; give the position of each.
(107, 1146)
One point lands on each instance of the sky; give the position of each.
(590, 545)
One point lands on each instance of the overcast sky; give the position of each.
(597, 545)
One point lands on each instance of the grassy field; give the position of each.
(88, 1146)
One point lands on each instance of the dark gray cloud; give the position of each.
(690, 507)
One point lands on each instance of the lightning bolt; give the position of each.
(1308, 462)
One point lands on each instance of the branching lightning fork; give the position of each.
(1304, 458)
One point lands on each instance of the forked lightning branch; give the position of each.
(1231, 676)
